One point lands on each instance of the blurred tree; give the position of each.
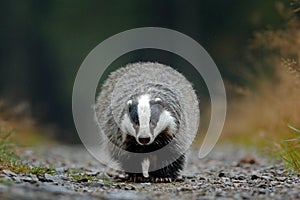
(44, 42)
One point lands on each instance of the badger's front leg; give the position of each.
(136, 169)
(140, 177)
(168, 173)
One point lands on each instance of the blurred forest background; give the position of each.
(255, 44)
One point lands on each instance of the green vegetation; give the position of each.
(78, 174)
(10, 160)
(259, 116)
(7, 149)
(290, 150)
(6, 182)
(81, 175)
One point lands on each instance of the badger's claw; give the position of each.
(136, 178)
(161, 180)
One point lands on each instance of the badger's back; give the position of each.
(158, 80)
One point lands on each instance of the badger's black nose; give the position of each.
(144, 140)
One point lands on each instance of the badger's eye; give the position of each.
(132, 112)
(152, 123)
(136, 121)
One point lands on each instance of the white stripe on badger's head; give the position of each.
(144, 113)
(146, 119)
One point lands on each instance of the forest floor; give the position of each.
(228, 172)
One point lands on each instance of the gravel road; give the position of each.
(229, 172)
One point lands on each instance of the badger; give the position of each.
(148, 114)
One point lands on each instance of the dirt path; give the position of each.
(227, 173)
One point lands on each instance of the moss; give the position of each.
(10, 160)
(79, 174)
(6, 182)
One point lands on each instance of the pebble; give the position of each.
(9, 173)
(221, 175)
(129, 187)
(16, 179)
(61, 169)
(28, 179)
(82, 180)
(254, 176)
(146, 184)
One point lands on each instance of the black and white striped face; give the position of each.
(146, 118)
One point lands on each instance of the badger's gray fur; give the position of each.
(141, 108)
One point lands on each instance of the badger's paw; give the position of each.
(137, 178)
(161, 180)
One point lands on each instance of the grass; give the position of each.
(79, 174)
(259, 115)
(289, 150)
(6, 182)
(7, 149)
(10, 160)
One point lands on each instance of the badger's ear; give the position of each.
(129, 103)
(158, 101)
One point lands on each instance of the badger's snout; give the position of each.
(144, 139)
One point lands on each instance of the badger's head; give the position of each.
(145, 118)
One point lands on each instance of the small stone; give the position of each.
(61, 169)
(16, 179)
(109, 174)
(225, 179)
(146, 184)
(42, 178)
(5, 177)
(255, 176)
(9, 173)
(221, 174)
(117, 186)
(249, 160)
(189, 176)
(179, 179)
(267, 177)
(93, 184)
(261, 191)
(28, 179)
(121, 176)
(184, 189)
(82, 180)
(129, 187)
(281, 178)
(245, 195)
(47, 178)
(262, 185)
(34, 177)
(274, 183)
(92, 173)
(281, 172)
(241, 177)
